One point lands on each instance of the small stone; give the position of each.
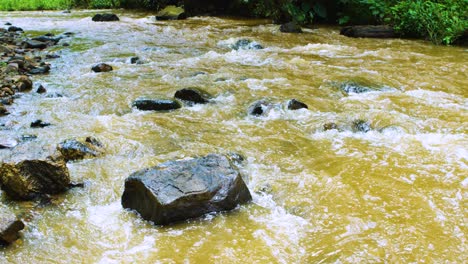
(330, 126)
(246, 44)
(35, 44)
(39, 124)
(102, 67)
(66, 44)
(9, 228)
(258, 108)
(41, 89)
(74, 149)
(52, 56)
(135, 60)
(295, 105)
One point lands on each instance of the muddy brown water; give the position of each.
(396, 194)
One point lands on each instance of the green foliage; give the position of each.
(438, 21)
(16, 5)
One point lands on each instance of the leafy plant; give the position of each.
(438, 21)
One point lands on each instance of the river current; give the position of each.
(396, 194)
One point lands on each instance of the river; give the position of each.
(396, 194)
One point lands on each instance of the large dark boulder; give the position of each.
(31, 178)
(381, 31)
(291, 27)
(171, 13)
(156, 104)
(192, 96)
(105, 17)
(75, 149)
(179, 190)
(9, 228)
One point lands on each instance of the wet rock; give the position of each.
(15, 29)
(7, 143)
(68, 34)
(40, 70)
(74, 149)
(3, 111)
(102, 67)
(66, 12)
(52, 56)
(41, 89)
(360, 125)
(9, 228)
(156, 104)
(171, 13)
(135, 60)
(23, 84)
(295, 105)
(259, 108)
(29, 179)
(7, 24)
(39, 124)
(105, 17)
(66, 44)
(34, 44)
(5, 50)
(246, 44)
(291, 27)
(47, 39)
(192, 96)
(381, 31)
(178, 190)
(330, 126)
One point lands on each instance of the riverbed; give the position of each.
(396, 193)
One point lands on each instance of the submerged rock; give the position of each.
(353, 87)
(9, 228)
(291, 27)
(23, 83)
(102, 67)
(105, 17)
(171, 13)
(295, 105)
(245, 44)
(360, 125)
(7, 143)
(74, 149)
(330, 126)
(29, 179)
(156, 104)
(381, 31)
(179, 190)
(192, 96)
(259, 108)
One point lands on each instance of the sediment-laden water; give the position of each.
(395, 194)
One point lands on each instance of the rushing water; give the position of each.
(397, 193)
